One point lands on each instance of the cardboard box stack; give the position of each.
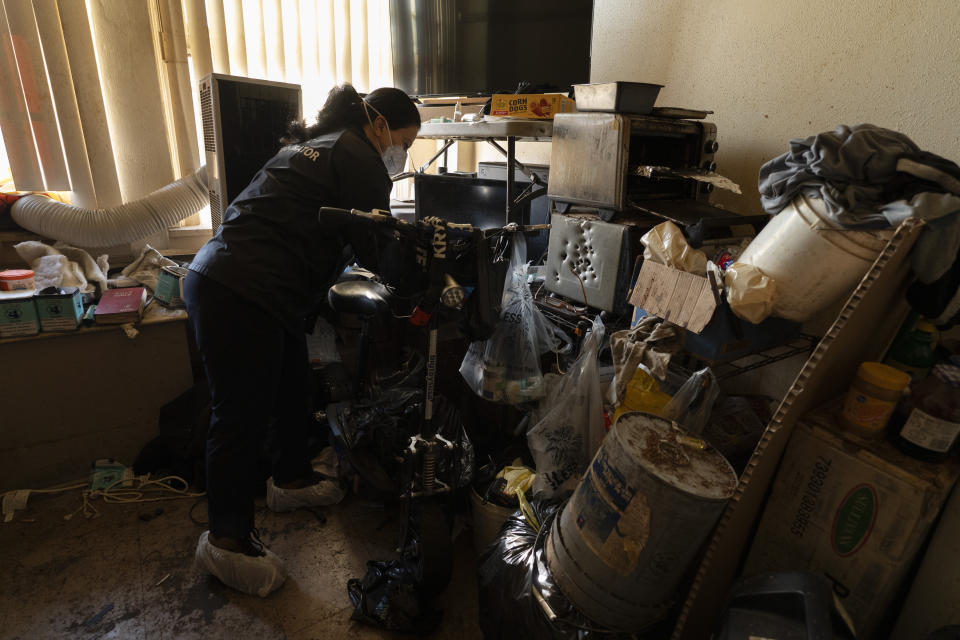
(854, 510)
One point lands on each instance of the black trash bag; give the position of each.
(509, 569)
(179, 448)
(389, 597)
(382, 428)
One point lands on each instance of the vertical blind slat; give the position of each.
(36, 93)
(341, 41)
(219, 39)
(253, 32)
(236, 40)
(65, 99)
(273, 40)
(75, 22)
(17, 135)
(359, 58)
(183, 132)
(198, 38)
(290, 34)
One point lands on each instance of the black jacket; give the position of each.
(271, 248)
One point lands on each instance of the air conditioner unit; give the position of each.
(243, 121)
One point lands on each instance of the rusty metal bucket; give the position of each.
(621, 545)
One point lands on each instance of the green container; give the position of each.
(18, 315)
(59, 309)
(168, 286)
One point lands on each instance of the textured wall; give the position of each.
(773, 70)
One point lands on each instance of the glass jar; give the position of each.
(928, 425)
(913, 350)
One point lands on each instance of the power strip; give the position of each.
(108, 473)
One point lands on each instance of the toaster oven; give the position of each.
(600, 159)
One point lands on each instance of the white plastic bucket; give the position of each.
(813, 261)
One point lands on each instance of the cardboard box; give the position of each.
(59, 309)
(682, 298)
(530, 105)
(18, 315)
(856, 511)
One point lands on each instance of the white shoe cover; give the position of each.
(321, 494)
(254, 575)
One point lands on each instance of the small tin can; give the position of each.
(170, 286)
(59, 308)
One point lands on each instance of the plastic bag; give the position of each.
(650, 343)
(666, 245)
(693, 402)
(389, 597)
(642, 394)
(750, 293)
(571, 429)
(518, 596)
(517, 478)
(374, 430)
(506, 367)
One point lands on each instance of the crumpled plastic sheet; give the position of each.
(750, 292)
(511, 569)
(388, 597)
(666, 245)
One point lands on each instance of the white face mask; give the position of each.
(395, 156)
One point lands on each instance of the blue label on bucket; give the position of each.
(612, 481)
(602, 499)
(597, 516)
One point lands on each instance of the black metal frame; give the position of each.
(514, 203)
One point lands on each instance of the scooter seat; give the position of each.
(362, 297)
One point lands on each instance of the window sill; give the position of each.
(186, 240)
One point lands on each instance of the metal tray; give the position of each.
(617, 97)
(679, 113)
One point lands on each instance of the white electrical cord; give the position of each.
(134, 492)
(137, 489)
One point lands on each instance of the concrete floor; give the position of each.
(119, 576)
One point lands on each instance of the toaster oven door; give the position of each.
(588, 159)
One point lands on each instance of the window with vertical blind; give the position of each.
(101, 96)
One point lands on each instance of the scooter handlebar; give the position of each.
(384, 217)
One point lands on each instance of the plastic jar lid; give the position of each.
(925, 326)
(16, 274)
(883, 376)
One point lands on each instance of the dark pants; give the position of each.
(256, 371)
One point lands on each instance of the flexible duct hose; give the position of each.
(122, 224)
